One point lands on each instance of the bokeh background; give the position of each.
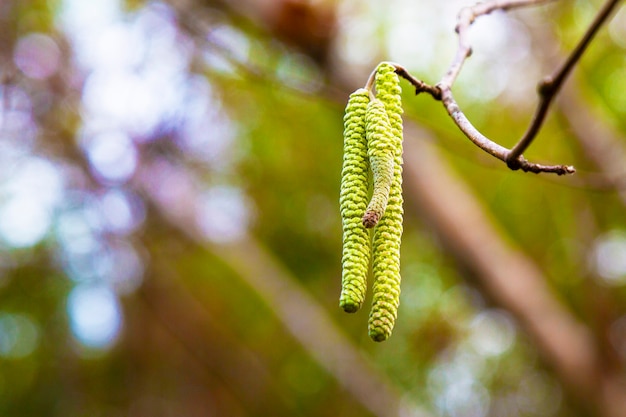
(170, 240)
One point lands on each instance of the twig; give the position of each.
(466, 17)
(490, 146)
(549, 87)
(420, 86)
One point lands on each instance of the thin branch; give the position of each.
(420, 86)
(466, 126)
(466, 18)
(480, 140)
(490, 146)
(550, 86)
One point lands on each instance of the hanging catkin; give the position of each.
(352, 202)
(388, 231)
(381, 153)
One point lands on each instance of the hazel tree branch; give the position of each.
(550, 86)
(420, 86)
(466, 18)
(472, 133)
(547, 90)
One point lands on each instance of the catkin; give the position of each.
(388, 231)
(353, 202)
(380, 150)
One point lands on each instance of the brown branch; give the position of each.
(480, 140)
(490, 146)
(466, 18)
(420, 86)
(549, 87)
(443, 90)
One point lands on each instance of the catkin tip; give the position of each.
(378, 336)
(349, 306)
(370, 219)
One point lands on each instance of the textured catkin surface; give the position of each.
(353, 202)
(381, 152)
(388, 232)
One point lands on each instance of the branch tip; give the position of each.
(546, 87)
(559, 170)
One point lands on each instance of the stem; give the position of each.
(492, 148)
(420, 86)
(370, 81)
(550, 86)
(466, 18)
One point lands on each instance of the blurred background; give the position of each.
(170, 240)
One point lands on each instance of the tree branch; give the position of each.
(420, 86)
(443, 90)
(550, 86)
(492, 147)
(473, 134)
(466, 18)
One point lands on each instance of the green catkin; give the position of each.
(352, 202)
(388, 232)
(380, 150)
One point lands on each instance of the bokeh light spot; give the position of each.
(19, 335)
(95, 316)
(223, 214)
(127, 267)
(609, 257)
(112, 155)
(37, 56)
(122, 211)
(23, 222)
(493, 332)
(227, 38)
(456, 388)
(32, 192)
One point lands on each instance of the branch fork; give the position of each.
(547, 89)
